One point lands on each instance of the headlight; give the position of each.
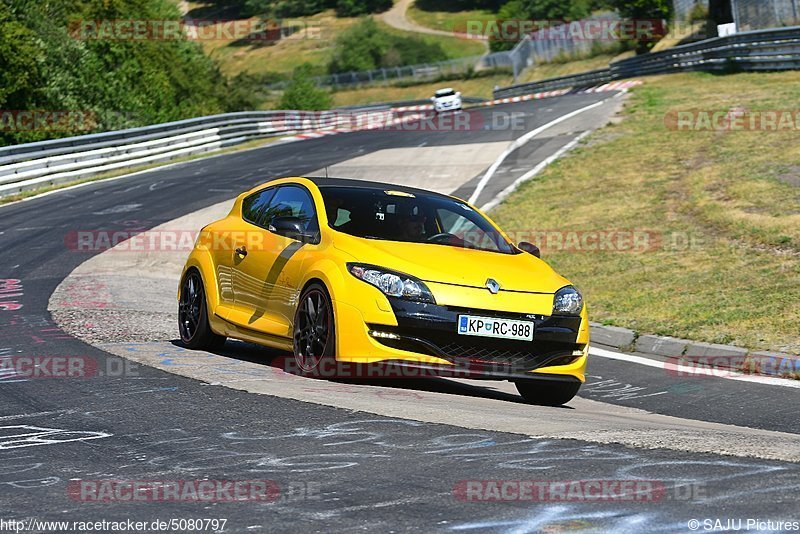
(391, 283)
(567, 301)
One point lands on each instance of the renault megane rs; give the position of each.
(338, 270)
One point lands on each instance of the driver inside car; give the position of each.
(411, 225)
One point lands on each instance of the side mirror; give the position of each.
(291, 227)
(530, 248)
(433, 99)
(458, 94)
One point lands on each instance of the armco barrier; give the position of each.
(34, 165)
(764, 50)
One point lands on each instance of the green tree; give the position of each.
(543, 10)
(355, 8)
(365, 46)
(303, 93)
(285, 8)
(49, 64)
(643, 10)
(18, 57)
(360, 47)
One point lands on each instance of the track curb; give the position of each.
(697, 353)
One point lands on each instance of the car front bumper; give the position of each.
(424, 338)
(447, 106)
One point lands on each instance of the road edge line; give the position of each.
(520, 142)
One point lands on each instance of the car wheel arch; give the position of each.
(210, 287)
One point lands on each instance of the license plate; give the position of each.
(471, 325)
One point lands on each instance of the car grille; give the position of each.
(500, 356)
(553, 344)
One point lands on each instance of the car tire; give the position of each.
(314, 331)
(547, 393)
(193, 324)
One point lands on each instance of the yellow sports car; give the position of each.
(349, 272)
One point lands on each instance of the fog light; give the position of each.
(383, 335)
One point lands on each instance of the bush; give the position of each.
(305, 8)
(285, 8)
(247, 91)
(457, 5)
(356, 8)
(303, 94)
(364, 46)
(543, 10)
(698, 13)
(644, 9)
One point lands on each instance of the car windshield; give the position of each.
(391, 215)
(445, 92)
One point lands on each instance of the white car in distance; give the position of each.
(446, 100)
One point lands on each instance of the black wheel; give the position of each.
(314, 329)
(193, 324)
(547, 393)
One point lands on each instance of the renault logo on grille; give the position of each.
(493, 286)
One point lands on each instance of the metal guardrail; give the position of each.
(35, 165)
(584, 79)
(763, 50)
(404, 103)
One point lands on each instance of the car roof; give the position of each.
(324, 181)
(445, 90)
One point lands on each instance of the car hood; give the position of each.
(455, 265)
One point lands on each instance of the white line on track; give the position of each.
(502, 195)
(691, 370)
(520, 142)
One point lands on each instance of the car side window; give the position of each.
(292, 201)
(256, 205)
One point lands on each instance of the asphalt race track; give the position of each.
(340, 468)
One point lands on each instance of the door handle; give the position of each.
(241, 251)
